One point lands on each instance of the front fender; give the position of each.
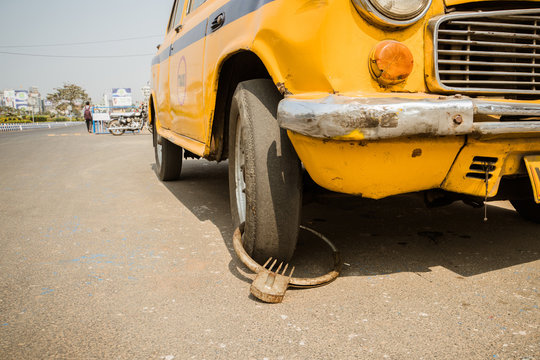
(325, 47)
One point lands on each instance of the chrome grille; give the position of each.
(491, 52)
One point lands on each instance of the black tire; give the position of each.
(528, 209)
(271, 173)
(168, 158)
(115, 123)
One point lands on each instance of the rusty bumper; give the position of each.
(385, 118)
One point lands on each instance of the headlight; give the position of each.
(393, 12)
(400, 10)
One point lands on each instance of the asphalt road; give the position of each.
(100, 260)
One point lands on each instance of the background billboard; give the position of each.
(21, 99)
(9, 98)
(121, 97)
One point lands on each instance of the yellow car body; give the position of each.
(353, 133)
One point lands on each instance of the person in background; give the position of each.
(88, 116)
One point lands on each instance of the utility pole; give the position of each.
(32, 101)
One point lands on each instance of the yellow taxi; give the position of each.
(370, 97)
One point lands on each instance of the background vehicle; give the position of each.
(132, 121)
(373, 97)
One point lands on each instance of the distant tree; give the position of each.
(9, 111)
(69, 95)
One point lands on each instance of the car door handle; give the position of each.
(218, 22)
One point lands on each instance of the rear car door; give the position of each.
(163, 59)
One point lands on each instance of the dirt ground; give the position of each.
(100, 260)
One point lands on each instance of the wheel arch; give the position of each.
(237, 67)
(151, 109)
(152, 116)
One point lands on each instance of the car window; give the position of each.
(171, 18)
(179, 11)
(195, 4)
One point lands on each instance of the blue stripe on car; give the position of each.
(233, 10)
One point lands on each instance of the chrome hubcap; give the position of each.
(239, 176)
(159, 149)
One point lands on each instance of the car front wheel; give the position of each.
(265, 175)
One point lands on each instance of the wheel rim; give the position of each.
(159, 150)
(113, 130)
(239, 176)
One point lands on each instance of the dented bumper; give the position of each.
(363, 118)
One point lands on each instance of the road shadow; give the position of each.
(375, 237)
(204, 190)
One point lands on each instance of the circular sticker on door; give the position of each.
(182, 81)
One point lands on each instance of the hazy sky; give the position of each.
(44, 22)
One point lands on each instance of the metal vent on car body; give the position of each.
(490, 52)
(479, 166)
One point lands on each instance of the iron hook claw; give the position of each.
(270, 286)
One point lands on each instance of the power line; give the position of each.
(81, 43)
(76, 56)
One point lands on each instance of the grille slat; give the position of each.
(517, 17)
(486, 43)
(465, 81)
(490, 34)
(493, 52)
(488, 54)
(485, 63)
(492, 73)
(493, 24)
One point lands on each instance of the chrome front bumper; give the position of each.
(386, 118)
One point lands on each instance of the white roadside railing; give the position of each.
(28, 126)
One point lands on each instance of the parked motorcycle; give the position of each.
(132, 121)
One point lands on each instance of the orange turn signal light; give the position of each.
(391, 62)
